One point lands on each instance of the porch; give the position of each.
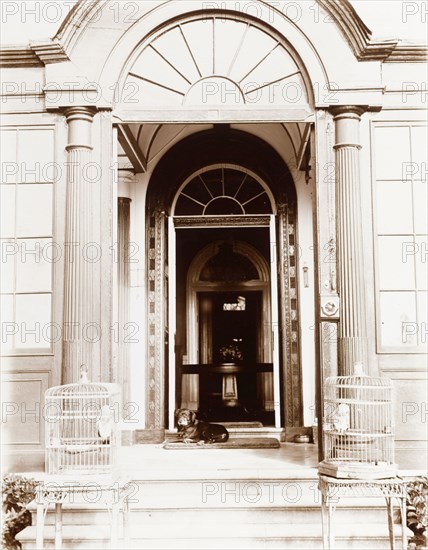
(215, 498)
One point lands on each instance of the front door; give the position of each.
(231, 348)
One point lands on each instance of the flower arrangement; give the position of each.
(417, 510)
(17, 492)
(230, 353)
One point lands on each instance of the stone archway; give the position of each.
(207, 149)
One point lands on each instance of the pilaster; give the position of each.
(126, 179)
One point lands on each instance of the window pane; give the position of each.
(33, 315)
(8, 326)
(7, 212)
(36, 155)
(392, 150)
(33, 270)
(398, 322)
(9, 250)
(8, 156)
(420, 206)
(421, 260)
(419, 152)
(394, 207)
(34, 210)
(422, 298)
(396, 263)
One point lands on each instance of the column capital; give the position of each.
(347, 119)
(126, 180)
(348, 111)
(79, 113)
(79, 120)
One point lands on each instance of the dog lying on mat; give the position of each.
(191, 430)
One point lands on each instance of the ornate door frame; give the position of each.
(158, 327)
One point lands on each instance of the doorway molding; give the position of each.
(182, 160)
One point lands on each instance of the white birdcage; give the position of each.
(81, 427)
(357, 427)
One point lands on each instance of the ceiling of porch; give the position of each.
(141, 146)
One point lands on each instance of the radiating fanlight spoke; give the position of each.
(240, 187)
(267, 84)
(190, 51)
(170, 64)
(259, 63)
(193, 60)
(206, 186)
(157, 84)
(192, 199)
(238, 50)
(254, 198)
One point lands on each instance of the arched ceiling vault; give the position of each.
(152, 141)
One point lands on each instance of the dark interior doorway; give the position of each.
(229, 335)
(236, 318)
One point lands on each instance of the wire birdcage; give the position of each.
(81, 427)
(357, 427)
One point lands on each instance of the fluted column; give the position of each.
(80, 332)
(350, 254)
(123, 273)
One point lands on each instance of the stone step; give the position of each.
(217, 494)
(242, 430)
(76, 515)
(215, 536)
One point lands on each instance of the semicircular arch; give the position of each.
(239, 247)
(259, 196)
(212, 58)
(294, 46)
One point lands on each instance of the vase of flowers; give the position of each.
(17, 492)
(417, 511)
(230, 354)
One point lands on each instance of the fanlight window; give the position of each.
(215, 60)
(223, 192)
(229, 266)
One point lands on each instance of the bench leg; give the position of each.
(390, 510)
(58, 525)
(40, 526)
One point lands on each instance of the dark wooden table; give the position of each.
(211, 380)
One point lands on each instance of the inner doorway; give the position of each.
(226, 365)
(231, 338)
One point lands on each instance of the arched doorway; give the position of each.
(222, 188)
(228, 295)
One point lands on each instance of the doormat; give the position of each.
(241, 424)
(233, 443)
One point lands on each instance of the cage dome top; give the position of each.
(83, 388)
(358, 378)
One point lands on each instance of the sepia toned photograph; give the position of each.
(214, 247)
